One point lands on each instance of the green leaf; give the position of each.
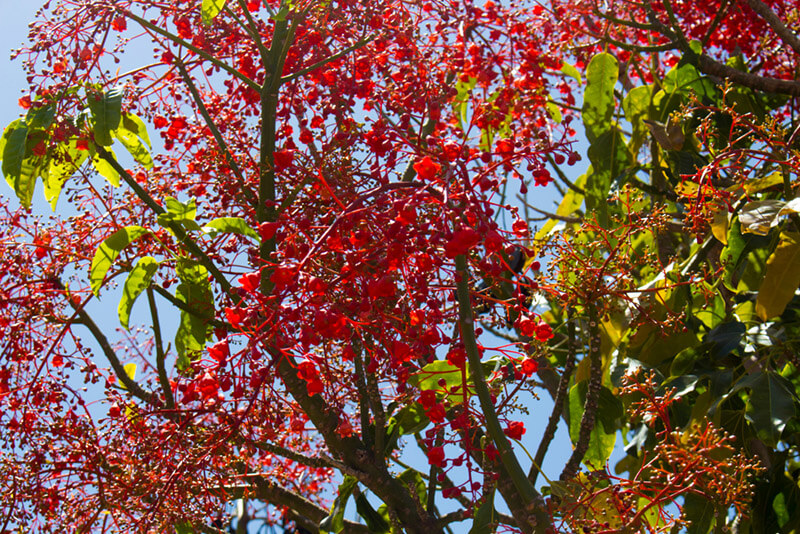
(41, 118)
(610, 157)
(636, 105)
(108, 251)
(601, 442)
(107, 113)
(65, 160)
(413, 480)
(212, 8)
(184, 528)
(195, 291)
(726, 338)
(14, 151)
(181, 213)
(334, 522)
(233, 225)
(598, 99)
(135, 146)
(572, 72)
(134, 124)
(484, 516)
(782, 277)
(138, 280)
(770, 406)
(429, 377)
(700, 512)
(104, 168)
(377, 521)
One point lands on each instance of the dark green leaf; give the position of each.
(770, 406)
(700, 512)
(14, 151)
(726, 338)
(377, 521)
(484, 517)
(334, 522)
(41, 118)
(195, 291)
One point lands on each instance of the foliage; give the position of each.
(332, 250)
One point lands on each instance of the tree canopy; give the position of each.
(341, 302)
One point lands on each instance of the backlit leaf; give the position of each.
(138, 280)
(212, 8)
(108, 251)
(598, 99)
(782, 277)
(107, 113)
(233, 225)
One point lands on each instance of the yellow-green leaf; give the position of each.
(138, 280)
(130, 370)
(719, 226)
(66, 159)
(104, 168)
(108, 251)
(135, 146)
(233, 225)
(211, 9)
(136, 125)
(782, 277)
(572, 72)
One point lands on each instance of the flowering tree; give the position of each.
(334, 260)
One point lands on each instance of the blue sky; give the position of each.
(17, 14)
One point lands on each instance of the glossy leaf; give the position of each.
(377, 521)
(138, 280)
(782, 277)
(771, 405)
(108, 251)
(601, 442)
(760, 216)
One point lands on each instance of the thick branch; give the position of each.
(777, 25)
(592, 395)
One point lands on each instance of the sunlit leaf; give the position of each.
(598, 99)
(211, 8)
(233, 225)
(782, 277)
(108, 251)
(107, 113)
(138, 280)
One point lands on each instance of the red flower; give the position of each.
(436, 456)
(514, 430)
(283, 159)
(543, 332)
(250, 281)
(119, 24)
(306, 137)
(457, 357)
(25, 102)
(426, 168)
(520, 228)
(282, 276)
(461, 242)
(383, 287)
(235, 316)
(427, 399)
(267, 230)
(529, 366)
(542, 177)
(219, 351)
